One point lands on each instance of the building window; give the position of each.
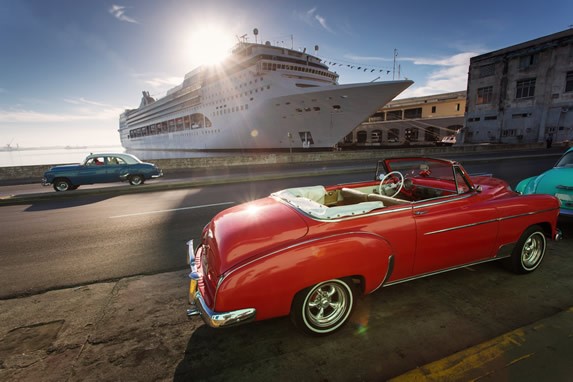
(457, 107)
(527, 61)
(484, 95)
(509, 133)
(569, 82)
(393, 135)
(525, 88)
(361, 137)
(486, 70)
(394, 115)
(413, 113)
(433, 109)
(376, 136)
(411, 134)
(520, 115)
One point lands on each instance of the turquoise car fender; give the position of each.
(525, 186)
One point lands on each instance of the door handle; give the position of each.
(423, 212)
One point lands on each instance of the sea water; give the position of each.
(53, 156)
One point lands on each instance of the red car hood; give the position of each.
(252, 229)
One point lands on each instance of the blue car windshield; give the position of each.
(566, 160)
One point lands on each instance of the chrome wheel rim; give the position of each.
(62, 186)
(533, 250)
(327, 304)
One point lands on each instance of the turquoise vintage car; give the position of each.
(101, 168)
(558, 181)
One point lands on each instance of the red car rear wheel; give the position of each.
(323, 308)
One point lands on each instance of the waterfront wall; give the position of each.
(34, 173)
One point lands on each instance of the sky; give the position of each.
(68, 68)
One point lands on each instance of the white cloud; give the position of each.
(311, 17)
(161, 82)
(83, 101)
(82, 113)
(450, 76)
(118, 12)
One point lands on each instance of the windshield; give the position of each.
(566, 160)
(412, 167)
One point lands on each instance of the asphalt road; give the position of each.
(73, 241)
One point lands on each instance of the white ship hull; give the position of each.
(278, 109)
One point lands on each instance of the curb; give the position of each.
(526, 353)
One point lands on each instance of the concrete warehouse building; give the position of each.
(522, 94)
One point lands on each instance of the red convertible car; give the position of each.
(309, 252)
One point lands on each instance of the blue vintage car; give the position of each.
(558, 181)
(101, 168)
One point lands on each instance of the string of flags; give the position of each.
(364, 68)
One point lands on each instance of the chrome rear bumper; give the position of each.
(219, 320)
(199, 307)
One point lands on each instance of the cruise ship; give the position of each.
(262, 97)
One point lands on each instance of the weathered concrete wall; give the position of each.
(36, 172)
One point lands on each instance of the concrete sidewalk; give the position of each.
(136, 329)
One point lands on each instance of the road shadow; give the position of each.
(267, 350)
(58, 204)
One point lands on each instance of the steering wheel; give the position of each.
(383, 188)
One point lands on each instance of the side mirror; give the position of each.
(478, 188)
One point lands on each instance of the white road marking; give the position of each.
(171, 210)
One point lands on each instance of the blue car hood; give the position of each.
(66, 167)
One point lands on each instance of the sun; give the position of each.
(209, 45)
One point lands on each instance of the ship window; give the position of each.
(316, 108)
(336, 107)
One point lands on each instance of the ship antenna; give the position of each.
(394, 68)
